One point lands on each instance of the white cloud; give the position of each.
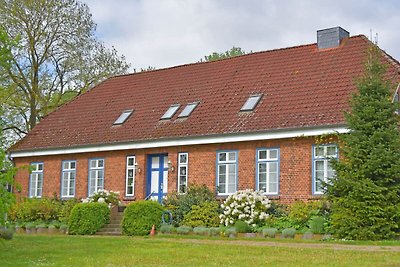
(171, 32)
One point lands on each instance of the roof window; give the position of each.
(123, 117)
(251, 102)
(170, 112)
(188, 110)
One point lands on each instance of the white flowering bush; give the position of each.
(104, 196)
(247, 205)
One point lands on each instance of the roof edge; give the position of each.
(197, 140)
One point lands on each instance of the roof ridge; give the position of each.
(225, 59)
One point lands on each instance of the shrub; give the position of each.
(41, 225)
(35, 209)
(103, 196)
(30, 225)
(6, 234)
(288, 232)
(181, 204)
(205, 214)
(242, 227)
(166, 228)
(201, 230)
(247, 205)
(140, 216)
(269, 232)
(184, 229)
(300, 212)
(214, 231)
(65, 209)
(88, 218)
(317, 225)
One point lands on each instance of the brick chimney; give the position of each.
(331, 37)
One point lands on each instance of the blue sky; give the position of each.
(164, 33)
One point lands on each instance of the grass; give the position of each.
(26, 250)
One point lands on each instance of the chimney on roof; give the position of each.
(331, 37)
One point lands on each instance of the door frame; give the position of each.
(161, 170)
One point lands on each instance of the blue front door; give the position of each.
(157, 176)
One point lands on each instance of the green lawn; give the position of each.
(25, 250)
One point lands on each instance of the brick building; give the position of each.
(250, 121)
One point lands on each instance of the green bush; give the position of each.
(6, 234)
(181, 204)
(30, 225)
(35, 209)
(205, 214)
(317, 225)
(184, 229)
(65, 209)
(288, 233)
(242, 227)
(269, 232)
(300, 212)
(201, 230)
(167, 228)
(88, 218)
(231, 231)
(140, 216)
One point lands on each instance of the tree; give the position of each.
(58, 58)
(233, 52)
(365, 193)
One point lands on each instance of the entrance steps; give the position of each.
(114, 227)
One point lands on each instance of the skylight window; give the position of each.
(123, 117)
(188, 110)
(170, 112)
(251, 103)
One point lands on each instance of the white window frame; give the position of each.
(228, 163)
(97, 170)
(185, 166)
(326, 160)
(68, 172)
(34, 178)
(268, 161)
(132, 168)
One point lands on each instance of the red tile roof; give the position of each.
(301, 86)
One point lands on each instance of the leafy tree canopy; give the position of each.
(56, 58)
(233, 52)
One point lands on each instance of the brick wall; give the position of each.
(295, 168)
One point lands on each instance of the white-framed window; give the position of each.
(227, 172)
(322, 167)
(36, 180)
(268, 170)
(96, 175)
(183, 161)
(130, 176)
(68, 176)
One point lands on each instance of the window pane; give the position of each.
(273, 177)
(222, 156)
(183, 158)
(188, 110)
(131, 162)
(231, 188)
(100, 174)
(273, 187)
(66, 165)
(93, 164)
(232, 169)
(100, 163)
(262, 167)
(170, 112)
(130, 173)
(123, 117)
(182, 170)
(262, 154)
(232, 156)
(129, 190)
(263, 187)
(319, 165)
(73, 165)
(273, 154)
(40, 167)
(331, 151)
(262, 178)
(273, 167)
(319, 151)
(251, 103)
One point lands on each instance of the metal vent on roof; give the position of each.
(123, 117)
(170, 112)
(188, 110)
(251, 102)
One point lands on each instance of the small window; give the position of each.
(226, 172)
(182, 172)
(123, 117)
(323, 171)
(268, 171)
(96, 175)
(251, 103)
(130, 176)
(188, 110)
(170, 112)
(36, 180)
(68, 177)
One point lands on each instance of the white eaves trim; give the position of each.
(241, 137)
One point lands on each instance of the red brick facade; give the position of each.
(295, 181)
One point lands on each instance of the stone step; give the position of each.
(115, 221)
(112, 225)
(111, 230)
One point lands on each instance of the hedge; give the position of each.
(88, 218)
(140, 216)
